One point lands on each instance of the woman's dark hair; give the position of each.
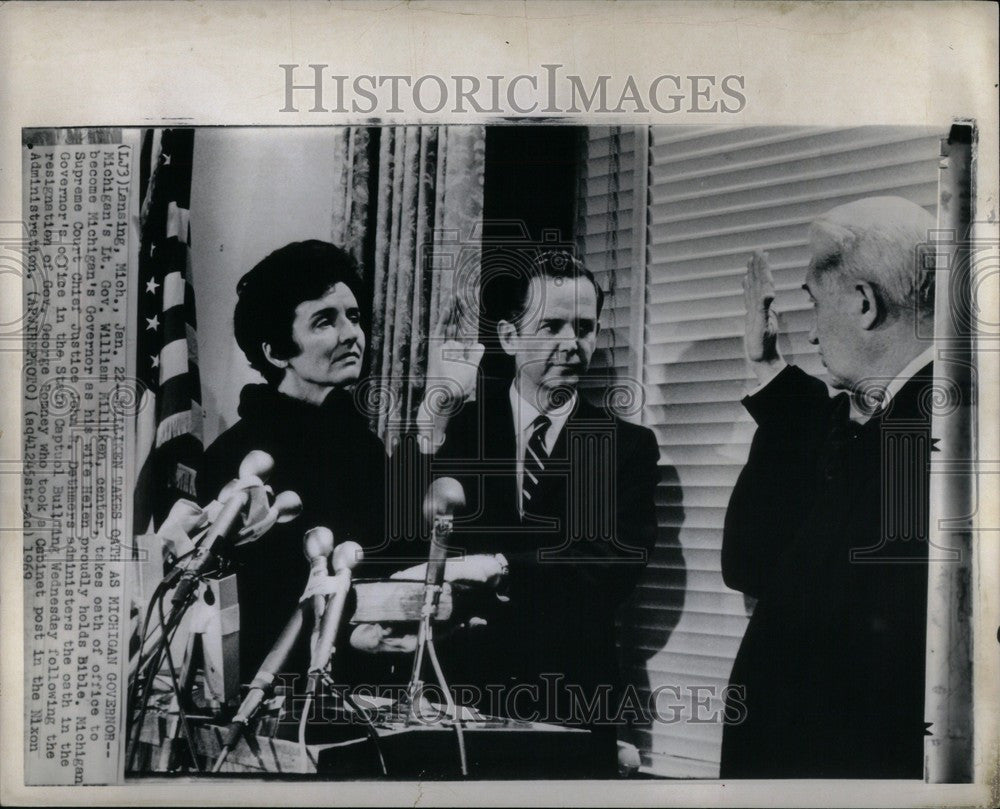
(271, 291)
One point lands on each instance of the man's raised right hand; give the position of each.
(452, 371)
(761, 337)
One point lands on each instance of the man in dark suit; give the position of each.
(827, 526)
(565, 492)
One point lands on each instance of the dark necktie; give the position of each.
(535, 458)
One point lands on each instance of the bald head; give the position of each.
(882, 241)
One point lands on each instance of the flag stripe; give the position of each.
(174, 397)
(173, 290)
(173, 360)
(178, 222)
(189, 306)
(173, 325)
(145, 433)
(170, 422)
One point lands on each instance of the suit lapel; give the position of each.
(566, 462)
(500, 456)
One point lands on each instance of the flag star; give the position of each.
(152, 249)
(152, 286)
(166, 159)
(156, 361)
(153, 323)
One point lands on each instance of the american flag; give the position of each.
(168, 435)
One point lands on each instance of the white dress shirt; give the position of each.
(525, 413)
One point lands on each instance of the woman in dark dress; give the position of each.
(301, 321)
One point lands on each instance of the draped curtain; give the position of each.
(352, 174)
(423, 254)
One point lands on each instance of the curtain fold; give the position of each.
(352, 169)
(427, 252)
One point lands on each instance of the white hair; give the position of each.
(886, 242)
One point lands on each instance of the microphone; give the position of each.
(286, 507)
(206, 557)
(345, 558)
(256, 465)
(254, 468)
(318, 545)
(185, 518)
(444, 498)
(269, 669)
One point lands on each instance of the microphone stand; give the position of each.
(345, 557)
(262, 684)
(425, 636)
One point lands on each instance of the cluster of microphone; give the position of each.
(244, 511)
(328, 613)
(444, 497)
(236, 523)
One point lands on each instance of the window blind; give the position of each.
(609, 222)
(707, 198)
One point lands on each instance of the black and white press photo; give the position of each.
(548, 403)
(521, 451)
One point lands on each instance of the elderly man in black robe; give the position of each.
(827, 526)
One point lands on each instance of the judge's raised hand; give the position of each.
(761, 337)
